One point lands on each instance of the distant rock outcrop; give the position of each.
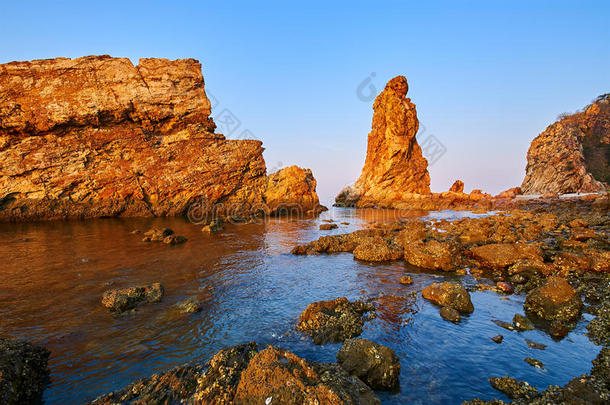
(394, 166)
(98, 136)
(573, 154)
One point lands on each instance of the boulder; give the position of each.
(555, 300)
(376, 365)
(502, 255)
(279, 376)
(291, 191)
(448, 294)
(174, 240)
(121, 300)
(328, 227)
(333, 320)
(378, 249)
(432, 255)
(514, 389)
(23, 372)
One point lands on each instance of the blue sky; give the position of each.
(486, 77)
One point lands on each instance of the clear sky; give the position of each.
(486, 76)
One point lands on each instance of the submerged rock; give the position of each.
(449, 294)
(174, 239)
(513, 389)
(533, 362)
(498, 339)
(376, 365)
(23, 372)
(450, 314)
(406, 280)
(555, 300)
(189, 306)
(328, 227)
(522, 323)
(157, 234)
(121, 300)
(333, 320)
(213, 227)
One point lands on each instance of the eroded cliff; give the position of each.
(572, 155)
(98, 136)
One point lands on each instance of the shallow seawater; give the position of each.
(53, 274)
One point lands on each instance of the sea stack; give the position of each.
(395, 168)
(572, 155)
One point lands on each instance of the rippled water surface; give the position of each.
(52, 276)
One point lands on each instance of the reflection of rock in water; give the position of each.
(396, 311)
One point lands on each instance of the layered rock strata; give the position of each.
(97, 136)
(572, 155)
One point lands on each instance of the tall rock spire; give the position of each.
(394, 165)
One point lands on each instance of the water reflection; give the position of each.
(52, 276)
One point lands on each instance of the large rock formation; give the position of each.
(573, 154)
(394, 166)
(98, 136)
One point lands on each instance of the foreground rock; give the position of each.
(23, 372)
(593, 388)
(278, 376)
(447, 294)
(555, 300)
(243, 375)
(571, 155)
(151, 149)
(334, 320)
(394, 163)
(376, 365)
(124, 299)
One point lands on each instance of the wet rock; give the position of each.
(533, 362)
(522, 323)
(334, 320)
(502, 255)
(213, 227)
(559, 329)
(219, 383)
(449, 294)
(534, 345)
(157, 234)
(278, 376)
(338, 243)
(328, 227)
(174, 239)
(432, 255)
(189, 306)
(504, 287)
(23, 372)
(505, 325)
(376, 365)
(450, 314)
(121, 300)
(498, 339)
(212, 384)
(378, 249)
(514, 389)
(406, 280)
(555, 300)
